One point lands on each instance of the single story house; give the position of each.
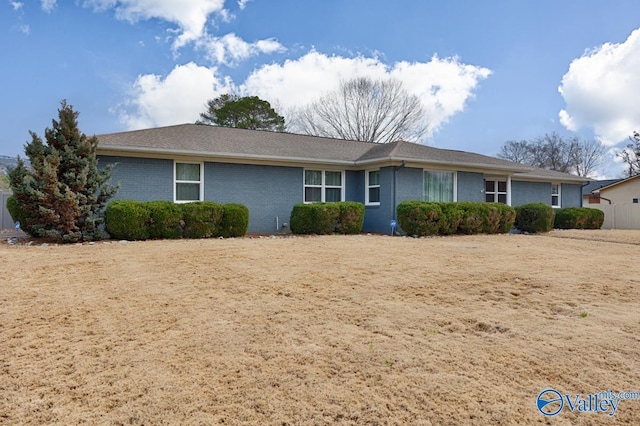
(622, 191)
(269, 172)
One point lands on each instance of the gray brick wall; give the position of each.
(571, 195)
(142, 179)
(354, 190)
(470, 187)
(268, 191)
(530, 192)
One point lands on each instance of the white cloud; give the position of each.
(16, 5)
(48, 5)
(190, 15)
(243, 3)
(24, 29)
(178, 98)
(443, 85)
(600, 91)
(231, 49)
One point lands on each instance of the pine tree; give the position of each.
(64, 193)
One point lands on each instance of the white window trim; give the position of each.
(367, 187)
(496, 192)
(175, 181)
(455, 182)
(323, 186)
(559, 195)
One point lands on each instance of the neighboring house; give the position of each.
(621, 191)
(593, 185)
(269, 172)
(619, 201)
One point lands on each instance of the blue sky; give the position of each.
(486, 72)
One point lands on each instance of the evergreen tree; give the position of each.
(63, 193)
(248, 112)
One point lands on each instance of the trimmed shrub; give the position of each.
(425, 218)
(534, 217)
(128, 220)
(201, 219)
(472, 218)
(578, 218)
(419, 217)
(315, 218)
(235, 220)
(18, 214)
(351, 217)
(507, 218)
(164, 219)
(452, 215)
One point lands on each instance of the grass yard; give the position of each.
(352, 330)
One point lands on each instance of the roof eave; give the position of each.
(115, 150)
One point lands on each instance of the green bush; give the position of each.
(426, 218)
(452, 215)
(202, 219)
(419, 217)
(472, 220)
(351, 217)
(235, 220)
(534, 217)
(164, 219)
(18, 214)
(128, 220)
(315, 218)
(507, 218)
(578, 218)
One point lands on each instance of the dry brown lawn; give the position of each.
(353, 330)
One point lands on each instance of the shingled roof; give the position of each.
(231, 143)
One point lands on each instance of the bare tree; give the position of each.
(588, 156)
(631, 155)
(552, 152)
(516, 151)
(363, 109)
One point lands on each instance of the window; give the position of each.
(439, 186)
(635, 201)
(555, 195)
(495, 191)
(323, 186)
(188, 182)
(373, 187)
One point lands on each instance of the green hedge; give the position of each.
(420, 217)
(128, 220)
(425, 218)
(164, 219)
(534, 217)
(135, 220)
(344, 217)
(351, 217)
(235, 220)
(201, 219)
(578, 218)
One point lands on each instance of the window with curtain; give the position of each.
(188, 181)
(373, 187)
(438, 186)
(323, 186)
